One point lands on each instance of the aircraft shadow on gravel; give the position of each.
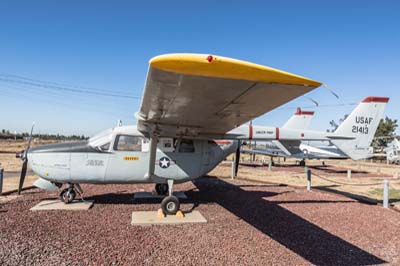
(287, 228)
(113, 198)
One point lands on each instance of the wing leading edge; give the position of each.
(203, 96)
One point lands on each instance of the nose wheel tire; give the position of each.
(67, 195)
(170, 205)
(162, 189)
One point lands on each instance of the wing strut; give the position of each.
(152, 155)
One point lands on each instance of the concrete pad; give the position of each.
(149, 195)
(151, 217)
(76, 205)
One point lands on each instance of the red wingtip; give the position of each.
(373, 99)
(301, 112)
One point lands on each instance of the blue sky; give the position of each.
(353, 46)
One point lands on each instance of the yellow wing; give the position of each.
(202, 95)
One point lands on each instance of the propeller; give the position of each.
(24, 156)
(237, 157)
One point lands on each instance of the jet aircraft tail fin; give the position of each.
(361, 125)
(299, 120)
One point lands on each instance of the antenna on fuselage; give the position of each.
(119, 123)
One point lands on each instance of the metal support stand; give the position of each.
(233, 170)
(308, 172)
(349, 173)
(1, 180)
(385, 194)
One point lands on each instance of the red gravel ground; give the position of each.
(248, 224)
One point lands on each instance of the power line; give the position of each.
(321, 105)
(56, 95)
(61, 88)
(57, 104)
(55, 86)
(58, 83)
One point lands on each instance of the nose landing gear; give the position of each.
(69, 194)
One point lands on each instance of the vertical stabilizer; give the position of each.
(300, 120)
(361, 125)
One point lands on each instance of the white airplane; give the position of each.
(187, 124)
(300, 120)
(369, 111)
(392, 151)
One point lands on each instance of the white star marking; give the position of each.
(164, 163)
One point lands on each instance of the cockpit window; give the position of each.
(128, 143)
(101, 138)
(186, 145)
(105, 147)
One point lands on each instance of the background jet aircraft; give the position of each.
(392, 151)
(299, 120)
(178, 123)
(362, 124)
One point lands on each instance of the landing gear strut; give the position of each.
(170, 204)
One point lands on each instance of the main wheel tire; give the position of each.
(162, 189)
(302, 163)
(67, 195)
(170, 205)
(62, 194)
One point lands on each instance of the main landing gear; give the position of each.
(302, 163)
(69, 194)
(170, 204)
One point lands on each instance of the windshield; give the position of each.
(101, 138)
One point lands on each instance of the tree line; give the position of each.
(6, 134)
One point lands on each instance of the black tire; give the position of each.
(170, 205)
(67, 195)
(162, 189)
(302, 163)
(62, 194)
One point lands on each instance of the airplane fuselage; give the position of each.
(122, 156)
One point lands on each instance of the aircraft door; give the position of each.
(128, 160)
